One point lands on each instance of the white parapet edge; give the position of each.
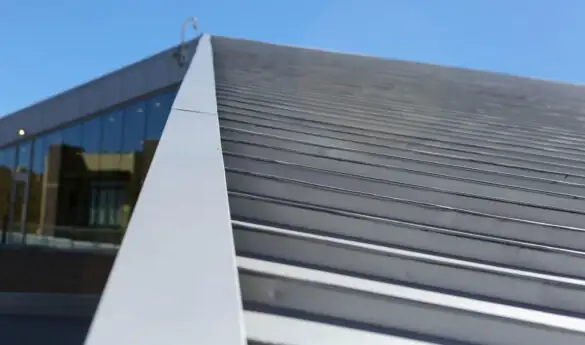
(175, 278)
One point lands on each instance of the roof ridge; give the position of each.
(425, 63)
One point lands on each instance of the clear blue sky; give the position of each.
(51, 46)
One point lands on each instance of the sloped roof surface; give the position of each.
(433, 203)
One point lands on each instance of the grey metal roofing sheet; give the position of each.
(445, 181)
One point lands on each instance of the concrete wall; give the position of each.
(143, 77)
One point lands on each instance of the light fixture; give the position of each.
(180, 54)
(21, 132)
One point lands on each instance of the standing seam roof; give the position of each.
(465, 188)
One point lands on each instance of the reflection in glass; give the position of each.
(69, 159)
(24, 156)
(9, 166)
(36, 187)
(6, 166)
(111, 132)
(134, 127)
(85, 179)
(92, 131)
(4, 191)
(132, 158)
(52, 146)
(159, 108)
(18, 212)
(72, 136)
(53, 139)
(20, 188)
(10, 158)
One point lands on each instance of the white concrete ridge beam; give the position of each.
(175, 278)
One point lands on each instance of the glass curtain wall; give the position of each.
(83, 180)
(7, 165)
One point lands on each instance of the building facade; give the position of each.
(71, 167)
(295, 195)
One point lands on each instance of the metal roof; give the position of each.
(371, 201)
(434, 203)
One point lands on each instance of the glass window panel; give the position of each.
(10, 158)
(110, 212)
(5, 185)
(71, 155)
(24, 157)
(95, 186)
(111, 145)
(120, 206)
(52, 151)
(91, 143)
(90, 176)
(92, 130)
(132, 159)
(157, 113)
(19, 208)
(102, 204)
(54, 138)
(110, 207)
(2, 169)
(158, 109)
(72, 136)
(93, 207)
(70, 180)
(52, 142)
(114, 207)
(38, 162)
(36, 187)
(9, 162)
(134, 127)
(111, 132)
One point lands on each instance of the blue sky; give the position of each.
(51, 46)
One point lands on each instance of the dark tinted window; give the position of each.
(111, 132)
(158, 109)
(92, 132)
(53, 141)
(85, 179)
(5, 181)
(35, 201)
(72, 136)
(10, 158)
(134, 127)
(38, 162)
(24, 157)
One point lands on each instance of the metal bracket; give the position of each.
(180, 54)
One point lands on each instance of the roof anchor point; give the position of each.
(180, 54)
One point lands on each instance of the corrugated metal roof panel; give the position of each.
(461, 189)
